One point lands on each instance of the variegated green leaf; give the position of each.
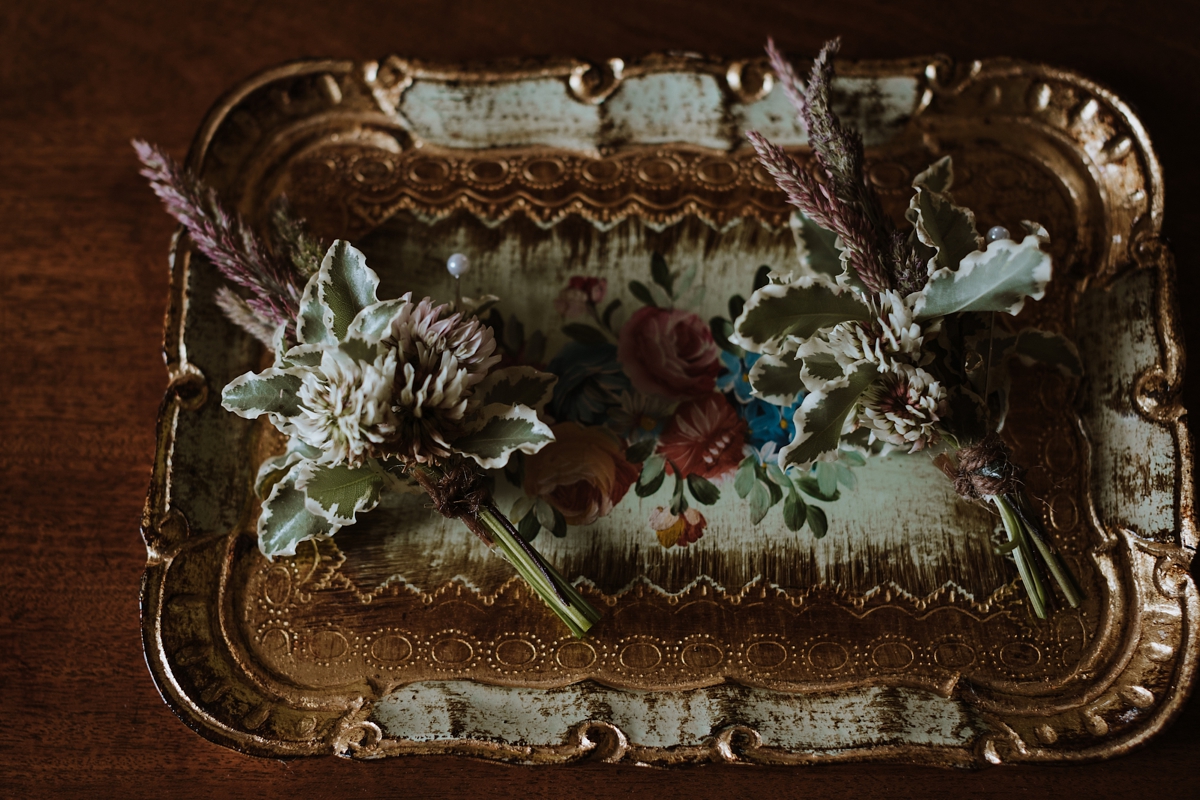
(997, 279)
(798, 309)
(345, 286)
(285, 520)
(338, 492)
(310, 325)
(272, 470)
(373, 322)
(302, 355)
(816, 247)
(502, 431)
(820, 418)
(272, 391)
(517, 386)
(776, 378)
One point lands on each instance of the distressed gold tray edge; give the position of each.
(345, 730)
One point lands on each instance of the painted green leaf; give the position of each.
(285, 520)
(746, 477)
(638, 452)
(338, 492)
(997, 279)
(818, 521)
(703, 490)
(522, 507)
(517, 386)
(760, 502)
(502, 431)
(942, 225)
(797, 309)
(937, 177)
(777, 379)
(811, 487)
(826, 476)
(529, 527)
(816, 247)
(374, 322)
(653, 467)
(795, 511)
(272, 391)
(820, 418)
(641, 292)
(584, 333)
(660, 272)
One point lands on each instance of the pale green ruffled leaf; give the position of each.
(285, 520)
(798, 309)
(517, 386)
(942, 225)
(997, 279)
(937, 177)
(338, 492)
(373, 322)
(820, 418)
(345, 286)
(502, 431)
(816, 247)
(272, 391)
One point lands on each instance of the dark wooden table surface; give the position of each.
(83, 284)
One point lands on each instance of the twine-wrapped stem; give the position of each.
(986, 473)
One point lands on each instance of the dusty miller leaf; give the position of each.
(338, 492)
(285, 520)
(820, 418)
(997, 279)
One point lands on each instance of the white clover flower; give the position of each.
(903, 408)
(439, 362)
(345, 406)
(894, 337)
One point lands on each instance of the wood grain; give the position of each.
(83, 284)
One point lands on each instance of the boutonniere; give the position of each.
(899, 338)
(372, 395)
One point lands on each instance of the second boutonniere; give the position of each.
(895, 338)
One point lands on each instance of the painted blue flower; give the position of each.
(769, 422)
(590, 382)
(736, 377)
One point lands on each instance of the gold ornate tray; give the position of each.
(899, 636)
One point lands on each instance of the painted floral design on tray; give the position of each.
(654, 396)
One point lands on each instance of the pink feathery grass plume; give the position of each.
(224, 239)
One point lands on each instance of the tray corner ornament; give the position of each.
(707, 653)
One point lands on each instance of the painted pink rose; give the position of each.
(669, 353)
(583, 473)
(581, 292)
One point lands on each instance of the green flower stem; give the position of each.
(562, 598)
(1019, 538)
(494, 528)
